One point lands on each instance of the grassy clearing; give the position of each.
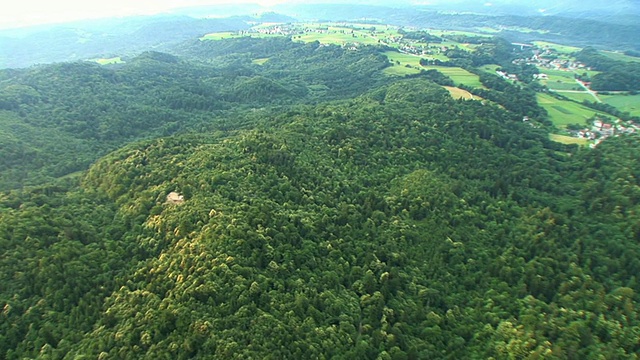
(629, 103)
(454, 32)
(109, 61)
(403, 59)
(458, 75)
(579, 97)
(458, 93)
(260, 61)
(568, 139)
(337, 38)
(490, 68)
(398, 70)
(564, 112)
(561, 85)
(563, 49)
(620, 56)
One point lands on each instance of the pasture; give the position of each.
(564, 112)
(458, 93)
(221, 35)
(260, 61)
(578, 96)
(562, 49)
(568, 139)
(458, 75)
(398, 70)
(108, 61)
(620, 56)
(623, 102)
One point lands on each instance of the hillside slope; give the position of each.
(400, 224)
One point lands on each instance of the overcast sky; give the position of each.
(30, 12)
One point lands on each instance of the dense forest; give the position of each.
(58, 119)
(307, 207)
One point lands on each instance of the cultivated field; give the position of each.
(563, 112)
(578, 96)
(260, 61)
(105, 61)
(458, 75)
(620, 56)
(629, 103)
(563, 49)
(458, 93)
(568, 139)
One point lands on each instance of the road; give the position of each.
(593, 93)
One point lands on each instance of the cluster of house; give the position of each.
(506, 76)
(549, 59)
(600, 130)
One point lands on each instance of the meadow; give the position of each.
(564, 112)
(563, 49)
(568, 139)
(458, 75)
(108, 61)
(620, 56)
(628, 103)
(578, 96)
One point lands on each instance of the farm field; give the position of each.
(458, 93)
(490, 68)
(108, 61)
(403, 59)
(458, 75)
(629, 103)
(578, 96)
(620, 57)
(563, 113)
(260, 61)
(222, 35)
(568, 139)
(399, 70)
(563, 49)
(337, 38)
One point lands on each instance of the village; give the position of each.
(600, 129)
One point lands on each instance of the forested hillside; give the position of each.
(399, 224)
(58, 119)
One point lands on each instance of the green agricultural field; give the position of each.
(490, 68)
(458, 75)
(399, 70)
(564, 112)
(620, 56)
(221, 35)
(458, 93)
(562, 85)
(104, 61)
(568, 139)
(260, 61)
(338, 38)
(578, 96)
(563, 49)
(629, 103)
(403, 59)
(454, 32)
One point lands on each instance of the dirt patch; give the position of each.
(458, 93)
(175, 198)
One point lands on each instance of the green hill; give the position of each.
(398, 224)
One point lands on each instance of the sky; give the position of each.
(20, 13)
